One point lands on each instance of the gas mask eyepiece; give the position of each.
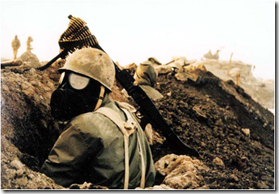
(76, 81)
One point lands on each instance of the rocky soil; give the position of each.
(233, 134)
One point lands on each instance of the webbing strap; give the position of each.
(101, 97)
(142, 181)
(127, 128)
(116, 119)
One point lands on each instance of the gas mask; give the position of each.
(76, 94)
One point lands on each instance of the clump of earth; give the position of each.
(233, 134)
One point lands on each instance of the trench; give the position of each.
(27, 123)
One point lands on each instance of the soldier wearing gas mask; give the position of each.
(102, 142)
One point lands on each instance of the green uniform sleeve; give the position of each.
(70, 152)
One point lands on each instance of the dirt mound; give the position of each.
(260, 90)
(29, 59)
(210, 115)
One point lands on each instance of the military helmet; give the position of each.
(92, 63)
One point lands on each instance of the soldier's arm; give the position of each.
(65, 161)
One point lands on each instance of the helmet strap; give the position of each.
(101, 97)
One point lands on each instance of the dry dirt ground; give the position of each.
(233, 134)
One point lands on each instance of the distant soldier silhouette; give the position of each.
(29, 40)
(15, 46)
(216, 55)
(209, 55)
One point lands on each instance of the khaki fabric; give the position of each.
(151, 92)
(146, 77)
(91, 149)
(145, 74)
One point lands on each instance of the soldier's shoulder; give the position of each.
(91, 117)
(91, 124)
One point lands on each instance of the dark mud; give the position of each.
(209, 116)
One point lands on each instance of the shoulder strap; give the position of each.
(123, 126)
(127, 128)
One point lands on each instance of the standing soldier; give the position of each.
(15, 45)
(28, 45)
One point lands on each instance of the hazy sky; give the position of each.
(132, 31)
